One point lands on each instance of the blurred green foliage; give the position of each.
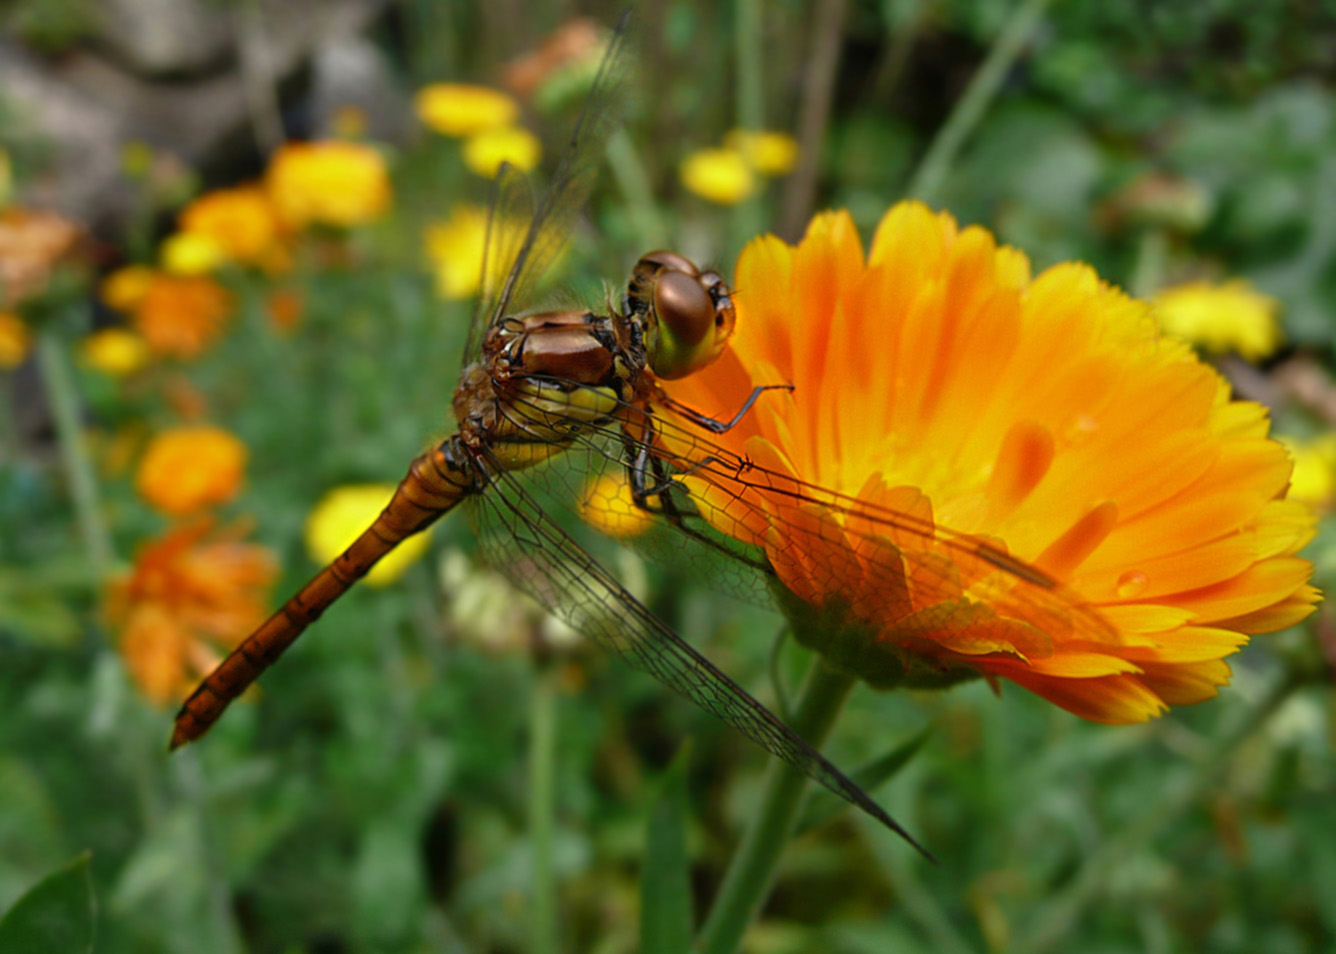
(373, 796)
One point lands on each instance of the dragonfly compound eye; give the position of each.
(695, 318)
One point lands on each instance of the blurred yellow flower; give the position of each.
(186, 469)
(126, 287)
(328, 183)
(1229, 317)
(768, 152)
(455, 249)
(485, 151)
(116, 352)
(719, 175)
(190, 594)
(6, 179)
(1314, 478)
(458, 109)
(191, 253)
(180, 315)
(607, 506)
(15, 341)
(242, 221)
(342, 514)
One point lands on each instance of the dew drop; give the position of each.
(1079, 429)
(1132, 583)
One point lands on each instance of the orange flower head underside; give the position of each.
(1117, 524)
(186, 469)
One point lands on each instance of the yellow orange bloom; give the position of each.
(485, 151)
(342, 514)
(190, 253)
(181, 315)
(1044, 420)
(242, 221)
(607, 506)
(186, 469)
(116, 352)
(719, 175)
(768, 152)
(126, 287)
(191, 594)
(1314, 477)
(328, 183)
(285, 307)
(15, 341)
(458, 109)
(1229, 317)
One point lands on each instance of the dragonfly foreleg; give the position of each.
(711, 424)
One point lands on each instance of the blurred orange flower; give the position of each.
(241, 220)
(1042, 420)
(32, 244)
(457, 109)
(186, 469)
(178, 315)
(285, 307)
(191, 594)
(328, 183)
(15, 341)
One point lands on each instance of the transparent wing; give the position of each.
(746, 524)
(521, 246)
(518, 537)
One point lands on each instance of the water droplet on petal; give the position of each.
(1132, 583)
(1079, 429)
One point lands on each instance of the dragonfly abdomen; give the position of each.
(436, 481)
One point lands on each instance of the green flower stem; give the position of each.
(63, 397)
(542, 809)
(634, 182)
(752, 870)
(970, 108)
(1152, 257)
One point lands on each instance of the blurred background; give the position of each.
(217, 351)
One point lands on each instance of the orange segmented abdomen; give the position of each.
(436, 481)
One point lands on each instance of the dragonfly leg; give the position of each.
(711, 424)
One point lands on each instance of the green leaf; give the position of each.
(665, 885)
(822, 805)
(55, 916)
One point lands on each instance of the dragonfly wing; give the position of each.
(522, 247)
(520, 539)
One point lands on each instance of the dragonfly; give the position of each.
(557, 392)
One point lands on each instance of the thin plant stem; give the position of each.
(747, 40)
(542, 810)
(752, 870)
(1148, 272)
(972, 105)
(63, 397)
(634, 183)
(813, 116)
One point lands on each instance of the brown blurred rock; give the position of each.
(160, 37)
(88, 104)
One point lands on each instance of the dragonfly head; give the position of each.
(693, 313)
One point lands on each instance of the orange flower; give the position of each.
(181, 315)
(285, 307)
(32, 245)
(15, 341)
(328, 183)
(188, 468)
(190, 594)
(1043, 420)
(242, 221)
